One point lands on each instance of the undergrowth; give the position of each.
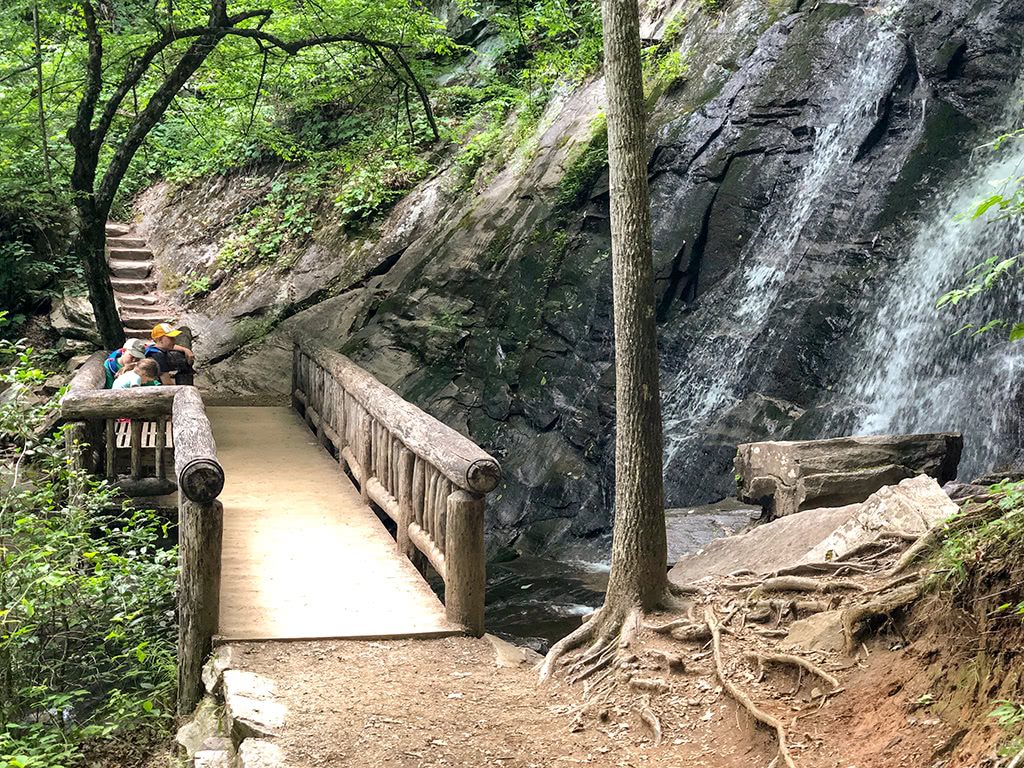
(981, 568)
(87, 635)
(992, 542)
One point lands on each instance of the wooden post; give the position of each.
(136, 465)
(161, 443)
(406, 461)
(74, 441)
(466, 571)
(201, 531)
(111, 449)
(295, 375)
(364, 448)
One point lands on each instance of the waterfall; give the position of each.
(911, 373)
(710, 378)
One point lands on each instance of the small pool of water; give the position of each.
(535, 601)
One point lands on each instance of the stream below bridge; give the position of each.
(535, 601)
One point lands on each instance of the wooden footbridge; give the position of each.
(279, 531)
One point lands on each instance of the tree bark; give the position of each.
(44, 141)
(90, 249)
(639, 550)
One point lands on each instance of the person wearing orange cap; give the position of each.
(175, 361)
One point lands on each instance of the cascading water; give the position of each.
(710, 378)
(911, 373)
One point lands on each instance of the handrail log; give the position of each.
(454, 455)
(135, 403)
(200, 475)
(90, 375)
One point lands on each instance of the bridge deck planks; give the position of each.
(303, 556)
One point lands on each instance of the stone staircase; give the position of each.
(133, 277)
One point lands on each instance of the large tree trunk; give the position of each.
(639, 551)
(89, 247)
(638, 581)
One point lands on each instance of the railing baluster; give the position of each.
(418, 490)
(428, 501)
(364, 446)
(110, 460)
(161, 441)
(136, 449)
(406, 460)
(441, 511)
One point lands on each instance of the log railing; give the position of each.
(429, 479)
(93, 413)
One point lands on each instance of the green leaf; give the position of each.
(1017, 332)
(986, 205)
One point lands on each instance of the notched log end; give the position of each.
(483, 475)
(201, 480)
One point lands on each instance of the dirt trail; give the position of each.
(446, 703)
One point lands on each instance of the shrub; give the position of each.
(86, 597)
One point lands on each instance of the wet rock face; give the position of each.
(786, 169)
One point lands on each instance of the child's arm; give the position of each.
(188, 352)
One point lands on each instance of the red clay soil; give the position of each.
(446, 703)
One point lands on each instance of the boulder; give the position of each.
(788, 477)
(817, 535)
(72, 318)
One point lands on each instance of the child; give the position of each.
(174, 360)
(124, 359)
(146, 373)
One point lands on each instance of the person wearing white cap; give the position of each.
(175, 361)
(122, 360)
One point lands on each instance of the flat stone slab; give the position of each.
(790, 476)
(260, 753)
(212, 758)
(250, 705)
(912, 506)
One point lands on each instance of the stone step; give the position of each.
(137, 300)
(125, 242)
(132, 285)
(117, 229)
(136, 269)
(151, 316)
(137, 333)
(142, 323)
(130, 254)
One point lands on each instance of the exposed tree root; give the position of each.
(652, 684)
(834, 567)
(881, 607)
(668, 626)
(797, 661)
(651, 720)
(741, 698)
(606, 632)
(577, 639)
(798, 584)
